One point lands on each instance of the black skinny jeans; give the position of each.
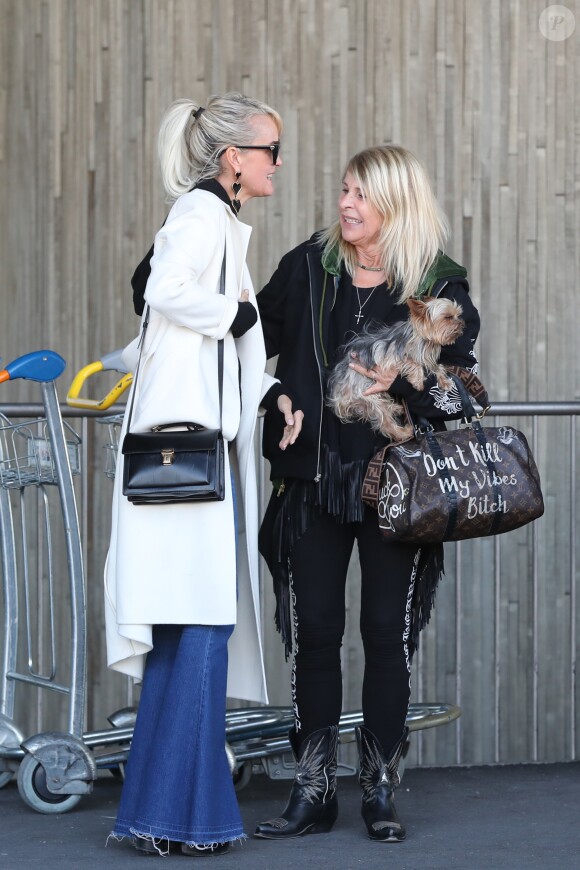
(319, 563)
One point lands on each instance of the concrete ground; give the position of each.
(480, 818)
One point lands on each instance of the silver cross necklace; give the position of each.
(360, 315)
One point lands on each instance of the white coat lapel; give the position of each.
(240, 238)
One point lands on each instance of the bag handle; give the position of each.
(191, 427)
(468, 385)
(222, 290)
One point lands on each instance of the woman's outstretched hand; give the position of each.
(293, 421)
(382, 379)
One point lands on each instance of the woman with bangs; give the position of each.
(384, 248)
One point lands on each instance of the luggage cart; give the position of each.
(55, 766)
(257, 738)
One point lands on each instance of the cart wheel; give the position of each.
(243, 775)
(34, 791)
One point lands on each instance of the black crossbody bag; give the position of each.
(175, 462)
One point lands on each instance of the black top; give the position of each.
(353, 440)
(306, 315)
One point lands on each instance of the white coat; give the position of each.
(176, 563)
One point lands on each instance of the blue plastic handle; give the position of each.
(40, 365)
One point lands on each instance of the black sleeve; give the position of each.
(270, 400)
(246, 317)
(433, 402)
(139, 281)
(272, 304)
(140, 278)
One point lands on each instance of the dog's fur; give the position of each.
(412, 346)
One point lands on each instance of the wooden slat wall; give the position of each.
(492, 108)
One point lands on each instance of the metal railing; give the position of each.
(535, 413)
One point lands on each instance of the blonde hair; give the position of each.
(192, 139)
(414, 228)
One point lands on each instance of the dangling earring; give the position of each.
(236, 187)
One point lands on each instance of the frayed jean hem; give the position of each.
(163, 843)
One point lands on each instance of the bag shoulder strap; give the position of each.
(222, 290)
(372, 479)
(472, 384)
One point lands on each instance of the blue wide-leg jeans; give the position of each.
(178, 783)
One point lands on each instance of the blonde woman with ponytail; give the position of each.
(181, 585)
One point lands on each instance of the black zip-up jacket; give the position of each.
(295, 308)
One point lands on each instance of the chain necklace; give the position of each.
(370, 268)
(360, 315)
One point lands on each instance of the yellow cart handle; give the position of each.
(85, 373)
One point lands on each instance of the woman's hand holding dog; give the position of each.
(293, 421)
(382, 378)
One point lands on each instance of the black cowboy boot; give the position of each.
(312, 807)
(379, 778)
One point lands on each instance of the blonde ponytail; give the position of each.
(192, 138)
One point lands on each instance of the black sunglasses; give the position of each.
(274, 149)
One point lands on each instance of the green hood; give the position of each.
(443, 267)
(330, 262)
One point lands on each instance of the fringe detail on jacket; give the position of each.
(429, 572)
(339, 494)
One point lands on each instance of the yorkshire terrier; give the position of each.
(412, 346)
